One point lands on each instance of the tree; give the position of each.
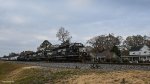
(104, 42)
(136, 40)
(63, 35)
(116, 50)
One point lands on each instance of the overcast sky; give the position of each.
(24, 24)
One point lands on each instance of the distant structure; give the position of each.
(140, 50)
(12, 56)
(138, 54)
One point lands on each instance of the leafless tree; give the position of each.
(136, 40)
(104, 42)
(63, 35)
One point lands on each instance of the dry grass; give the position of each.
(116, 77)
(23, 74)
(6, 68)
(11, 73)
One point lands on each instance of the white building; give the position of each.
(140, 50)
(139, 53)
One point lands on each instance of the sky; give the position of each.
(25, 24)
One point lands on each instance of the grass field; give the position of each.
(23, 74)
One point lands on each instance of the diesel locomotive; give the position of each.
(66, 52)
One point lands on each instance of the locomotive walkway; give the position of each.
(105, 67)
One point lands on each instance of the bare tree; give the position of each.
(104, 42)
(63, 35)
(137, 40)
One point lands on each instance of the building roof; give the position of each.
(137, 48)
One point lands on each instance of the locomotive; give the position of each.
(66, 52)
(74, 52)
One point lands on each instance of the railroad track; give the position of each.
(105, 67)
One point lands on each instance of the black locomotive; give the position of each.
(69, 52)
(66, 52)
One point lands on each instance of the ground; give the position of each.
(11, 73)
(116, 77)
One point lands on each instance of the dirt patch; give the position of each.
(31, 67)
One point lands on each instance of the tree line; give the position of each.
(109, 42)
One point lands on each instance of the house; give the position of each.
(138, 53)
(106, 56)
(140, 50)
